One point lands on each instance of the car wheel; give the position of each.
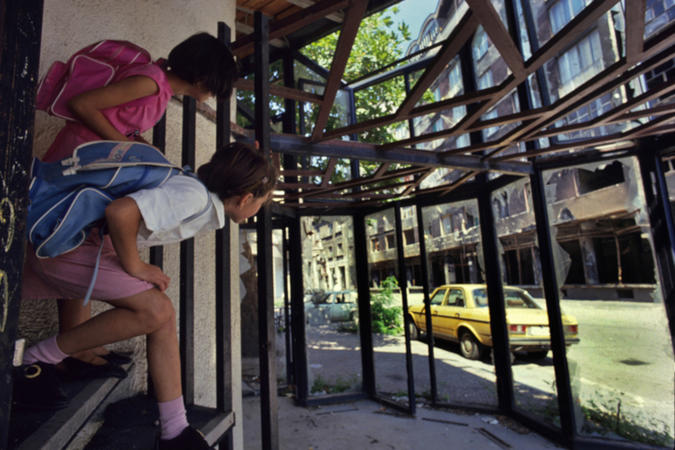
(469, 346)
(541, 354)
(413, 330)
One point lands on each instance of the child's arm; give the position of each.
(124, 218)
(87, 106)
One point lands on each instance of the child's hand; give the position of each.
(151, 274)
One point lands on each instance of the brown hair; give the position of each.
(237, 169)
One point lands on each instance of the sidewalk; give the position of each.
(368, 425)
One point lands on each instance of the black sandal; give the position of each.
(78, 369)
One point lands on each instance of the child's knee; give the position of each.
(157, 311)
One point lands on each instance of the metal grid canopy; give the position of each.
(534, 133)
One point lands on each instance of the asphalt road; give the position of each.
(624, 355)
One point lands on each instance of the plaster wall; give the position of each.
(156, 25)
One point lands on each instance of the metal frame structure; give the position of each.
(363, 195)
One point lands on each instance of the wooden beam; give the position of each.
(460, 35)
(499, 35)
(337, 17)
(280, 91)
(343, 49)
(243, 47)
(329, 172)
(635, 30)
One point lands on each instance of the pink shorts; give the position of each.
(68, 275)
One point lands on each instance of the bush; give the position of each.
(386, 319)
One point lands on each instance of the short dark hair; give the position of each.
(203, 58)
(238, 169)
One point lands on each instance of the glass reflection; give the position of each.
(464, 372)
(386, 307)
(526, 317)
(622, 368)
(331, 307)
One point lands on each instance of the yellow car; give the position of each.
(459, 312)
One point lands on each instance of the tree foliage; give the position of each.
(378, 43)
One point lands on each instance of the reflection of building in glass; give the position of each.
(328, 253)
(603, 243)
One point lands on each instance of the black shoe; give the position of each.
(189, 439)
(118, 358)
(37, 386)
(77, 369)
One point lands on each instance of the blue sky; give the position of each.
(413, 12)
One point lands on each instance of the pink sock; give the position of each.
(172, 418)
(46, 351)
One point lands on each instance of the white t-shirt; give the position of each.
(177, 210)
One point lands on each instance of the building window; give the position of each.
(410, 237)
(447, 224)
(563, 11)
(579, 59)
(455, 84)
(390, 241)
(480, 44)
(375, 244)
(485, 81)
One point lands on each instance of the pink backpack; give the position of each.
(92, 67)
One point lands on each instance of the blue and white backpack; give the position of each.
(68, 197)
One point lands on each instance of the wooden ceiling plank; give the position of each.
(459, 36)
(279, 28)
(499, 35)
(337, 17)
(342, 50)
(635, 30)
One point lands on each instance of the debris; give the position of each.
(450, 422)
(337, 411)
(494, 438)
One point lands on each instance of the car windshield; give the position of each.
(514, 298)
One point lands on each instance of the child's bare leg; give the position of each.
(148, 313)
(71, 314)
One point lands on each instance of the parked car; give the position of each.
(459, 312)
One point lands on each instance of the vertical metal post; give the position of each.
(403, 285)
(298, 313)
(495, 291)
(661, 221)
(159, 141)
(551, 292)
(287, 329)
(20, 33)
(363, 288)
(289, 162)
(427, 304)
(226, 277)
(187, 253)
(266, 334)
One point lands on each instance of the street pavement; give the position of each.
(623, 363)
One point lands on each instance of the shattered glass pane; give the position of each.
(331, 306)
(609, 283)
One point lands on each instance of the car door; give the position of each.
(436, 302)
(452, 311)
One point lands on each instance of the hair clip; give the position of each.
(264, 180)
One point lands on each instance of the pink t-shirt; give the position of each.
(129, 118)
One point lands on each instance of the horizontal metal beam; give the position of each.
(298, 145)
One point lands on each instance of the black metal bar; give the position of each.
(20, 34)
(266, 332)
(403, 285)
(187, 257)
(500, 338)
(298, 313)
(427, 304)
(287, 305)
(552, 293)
(661, 221)
(365, 320)
(159, 141)
(225, 278)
